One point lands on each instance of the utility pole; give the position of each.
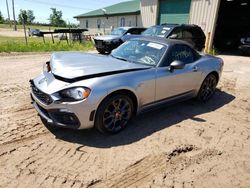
(14, 17)
(24, 28)
(8, 12)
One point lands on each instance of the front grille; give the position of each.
(43, 97)
(99, 43)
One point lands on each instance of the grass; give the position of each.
(41, 27)
(213, 51)
(35, 44)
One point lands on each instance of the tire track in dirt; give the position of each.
(19, 121)
(55, 163)
(148, 171)
(143, 170)
(19, 126)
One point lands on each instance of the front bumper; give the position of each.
(74, 115)
(245, 48)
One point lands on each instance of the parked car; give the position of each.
(192, 34)
(80, 90)
(34, 32)
(244, 46)
(106, 43)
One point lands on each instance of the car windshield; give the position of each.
(118, 31)
(140, 51)
(157, 31)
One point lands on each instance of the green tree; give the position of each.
(1, 17)
(27, 15)
(22, 16)
(30, 16)
(56, 18)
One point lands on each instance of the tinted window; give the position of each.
(187, 34)
(118, 31)
(181, 53)
(197, 33)
(178, 32)
(135, 31)
(157, 31)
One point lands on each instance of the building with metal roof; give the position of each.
(223, 21)
(117, 15)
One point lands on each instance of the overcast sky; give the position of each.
(42, 10)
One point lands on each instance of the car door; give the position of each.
(180, 81)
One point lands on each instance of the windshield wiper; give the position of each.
(120, 58)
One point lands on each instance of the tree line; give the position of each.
(28, 17)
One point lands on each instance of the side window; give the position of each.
(177, 32)
(87, 24)
(197, 33)
(187, 34)
(130, 23)
(122, 23)
(135, 31)
(181, 53)
(98, 22)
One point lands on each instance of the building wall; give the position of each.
(204, 13)
(149, 12)
(112, 21)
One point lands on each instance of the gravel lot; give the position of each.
(186, 145)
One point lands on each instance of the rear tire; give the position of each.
(207, 88)
(114, 114)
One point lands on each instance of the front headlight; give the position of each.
(112, 41)
(108, 41)
(242, 40)
(74, 94)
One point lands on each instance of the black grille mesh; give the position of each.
(43, 97)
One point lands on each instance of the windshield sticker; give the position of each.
(155, 45)
(166, 28)
(163, 31)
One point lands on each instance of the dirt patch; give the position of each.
(186, 145)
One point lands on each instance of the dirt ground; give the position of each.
(10, 33)
(185, 145)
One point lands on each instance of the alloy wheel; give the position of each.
(208, 88)
(117, 114)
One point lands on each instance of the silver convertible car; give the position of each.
(80, 90)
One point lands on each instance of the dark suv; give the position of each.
(106, 43)
(192, 34)
(244, 45)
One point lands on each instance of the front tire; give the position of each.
(207, 88)
(114, 114)
(101, 51)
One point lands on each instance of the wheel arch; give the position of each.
(126, 92)
(216, 74)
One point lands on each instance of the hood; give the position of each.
(71, 65)
(128, 37)
(108, 37)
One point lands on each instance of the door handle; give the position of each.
(195, 69)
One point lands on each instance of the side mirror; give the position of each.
(176, 65)
(173, 36)
(128, 34)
